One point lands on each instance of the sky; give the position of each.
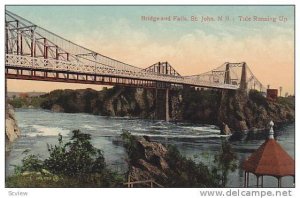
(191, 47)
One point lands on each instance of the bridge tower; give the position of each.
(162, 111)
(243, 84)
(227, 79)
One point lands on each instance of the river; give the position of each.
(199, 142)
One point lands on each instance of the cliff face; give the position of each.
(242, 111)
(232, 110)
(118, 101)
(12, 131)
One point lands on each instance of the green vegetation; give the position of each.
(226, 161)
(131, 147)
(287, 101)
(75, 163)
(25, 102)
(186, 173)
(65, 98)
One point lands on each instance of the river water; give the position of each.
(199, 142)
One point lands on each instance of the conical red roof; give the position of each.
(270, 159)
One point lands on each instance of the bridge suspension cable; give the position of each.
(40, 53)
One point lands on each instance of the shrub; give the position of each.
(226, 160)
(76, 157)
(76, 163)
(187, 173)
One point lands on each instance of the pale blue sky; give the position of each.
(66, 20)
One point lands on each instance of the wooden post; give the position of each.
(247, 179)
(129, 181)
(257, 180)
(280, 182)
(262, 181)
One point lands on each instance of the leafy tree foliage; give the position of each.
(76, 163)
(186, 173)
(76, 157)
(226, 161)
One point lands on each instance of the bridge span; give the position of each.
(34, 53)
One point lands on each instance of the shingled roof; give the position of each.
(270, 159)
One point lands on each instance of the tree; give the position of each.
(226, 161)
(77, 157)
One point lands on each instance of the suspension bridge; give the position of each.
(34, 53)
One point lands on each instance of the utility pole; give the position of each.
(280, 90)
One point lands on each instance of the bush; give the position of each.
(76, 163)
(226, 161)
(75, 158)
(186, 173)
(20, 102)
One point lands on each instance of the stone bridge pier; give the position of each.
(162, 110)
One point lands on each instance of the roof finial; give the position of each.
(271, 132)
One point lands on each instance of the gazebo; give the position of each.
(270, 159)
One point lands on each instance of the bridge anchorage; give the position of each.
(34, 53)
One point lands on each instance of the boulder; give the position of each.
(57, 108)
(154, 152)
(152, 163)
(225, 130)
(11, 129)
(243, 126)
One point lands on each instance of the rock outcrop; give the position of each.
(12, 131)
(225, 130)
(152, 162)
(239, 111)
(118, 101)
(251, 111)
(149, 160)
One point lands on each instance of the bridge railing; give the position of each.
(68, 66)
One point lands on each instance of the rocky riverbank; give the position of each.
(12, 131)
(164, 165)
(230, 110)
